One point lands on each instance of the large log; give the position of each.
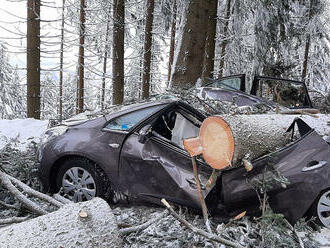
(227, 139)
(86, 224)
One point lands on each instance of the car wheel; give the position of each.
(81, 180)
(323, 209)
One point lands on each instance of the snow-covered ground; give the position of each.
(323, 238)
(23, 131)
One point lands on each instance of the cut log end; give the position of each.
(218, 142)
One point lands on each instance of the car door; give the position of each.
(159, 166)
(115, 131)
(305, 165)
(289, 93)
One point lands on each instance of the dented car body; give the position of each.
(139, 149)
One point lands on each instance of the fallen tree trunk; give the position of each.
(227, 139)
(86, 224)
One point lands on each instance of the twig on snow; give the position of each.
(13, 220)
(61, 199)
(9, 205)
(201, 232)
(301, 243)
(125, 231)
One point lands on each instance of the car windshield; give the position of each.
(127, 121)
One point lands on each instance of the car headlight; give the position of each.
(50, 134)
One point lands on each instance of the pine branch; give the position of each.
(30, 205)
(125, 231)
(201, 232)
(35, 193)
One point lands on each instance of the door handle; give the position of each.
(114, 145)
(314, 165)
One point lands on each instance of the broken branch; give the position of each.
(301, 243)
(200, 195)
(203, 233)
(13, 220)
(30, 205)
(9, 205)
(125, 231)
(61, 199)
(35, 193)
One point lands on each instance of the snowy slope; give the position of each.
(21, 132)
(323, 238)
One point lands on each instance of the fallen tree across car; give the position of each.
(226, 140)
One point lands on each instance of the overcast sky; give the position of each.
(13, 29)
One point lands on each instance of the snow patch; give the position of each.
(323, 237)
(21, 132)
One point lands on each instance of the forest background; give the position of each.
(59, 58)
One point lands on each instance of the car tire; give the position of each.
(80, 179)
(321, 209)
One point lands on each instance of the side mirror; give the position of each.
(144, 134)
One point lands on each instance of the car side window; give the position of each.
(176, 126)
(127, 121)
(227, 83)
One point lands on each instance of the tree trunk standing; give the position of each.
(304, 71)
(61, 65)
(307, 46)
(81, 58)
(147, 49)
(118, 51)
(172, 45)
(105, 62)
(208, 64)
(225, 41)
(189, 54)
(33, 59)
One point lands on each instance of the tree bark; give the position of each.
(67, 227)
(172, 45)
(225, 40)
(80, 107)
(188, 60)
(105, 58)
(33, 59)
(118, 51)
(208, 64)
(228, 139)
(147, 49)
(61, 65)
(307, 46)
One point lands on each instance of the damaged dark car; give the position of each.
(287, 93)
(137, 151)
